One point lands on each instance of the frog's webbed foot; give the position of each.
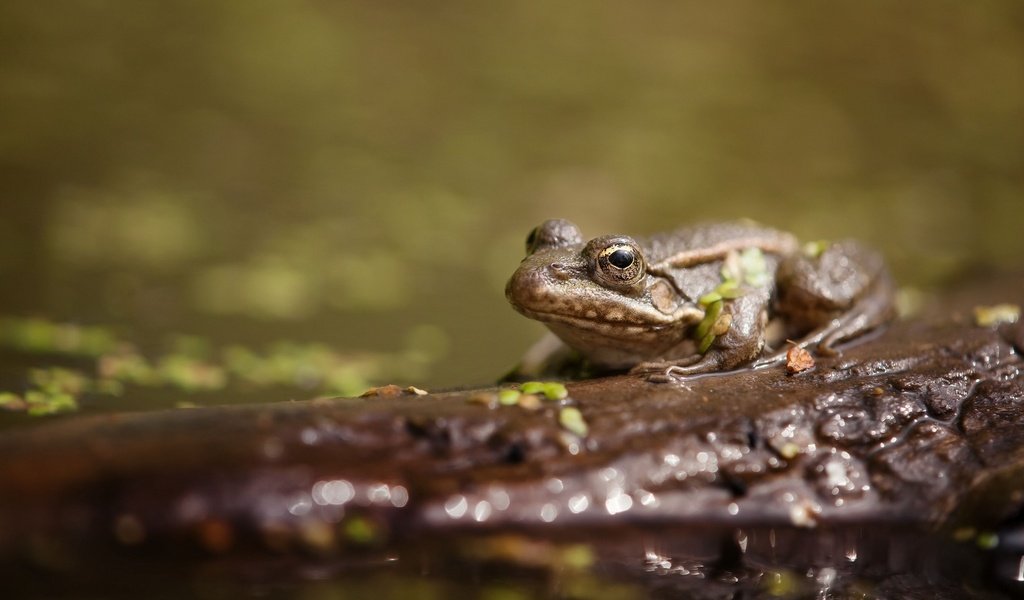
(823, 340)
(841, 293)
(872, 310)
(875, 308)
(655, 366)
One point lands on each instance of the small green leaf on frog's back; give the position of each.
(729, 289)
(710, 298)
(705, 342)
(704, 327)
(754, 267)
(731, 268)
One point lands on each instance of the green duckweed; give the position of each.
(572, 419)
(360, 530)
(815, 248)
(987, 316)
(710, 316)
(509, 397)
(550, 390)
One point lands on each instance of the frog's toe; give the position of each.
(668, 373)
(659, 377)
(674, 371)
(770, 360)
(655, 367)
(678, 373)
(827, 347)
(645, 368)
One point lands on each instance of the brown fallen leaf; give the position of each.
(391, 390)
(798, 360)
(384, 391)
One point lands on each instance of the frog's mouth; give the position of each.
(613, 324)
(592, 322)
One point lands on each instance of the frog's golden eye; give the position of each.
(618, 263)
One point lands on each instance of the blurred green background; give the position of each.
(361, 176)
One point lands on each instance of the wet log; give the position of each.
(920, 426)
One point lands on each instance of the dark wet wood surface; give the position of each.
(922, 425)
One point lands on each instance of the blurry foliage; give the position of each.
(190, 364)
(340, 173)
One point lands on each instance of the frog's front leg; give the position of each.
(831, 295)
(739, 339)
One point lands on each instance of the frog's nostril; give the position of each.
(559, 270)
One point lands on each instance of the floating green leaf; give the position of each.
(552, 390)
(986, 316)
(532, 387)
(509, 397)
(360, 530)
(11, 401)
(816, 248)
(41, 403)
(572, 419)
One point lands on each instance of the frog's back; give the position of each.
(696, 238)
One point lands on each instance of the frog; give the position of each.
(701, 299)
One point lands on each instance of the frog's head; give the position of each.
(597, 296)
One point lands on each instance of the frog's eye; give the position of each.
(621, 258)
(618, 263)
